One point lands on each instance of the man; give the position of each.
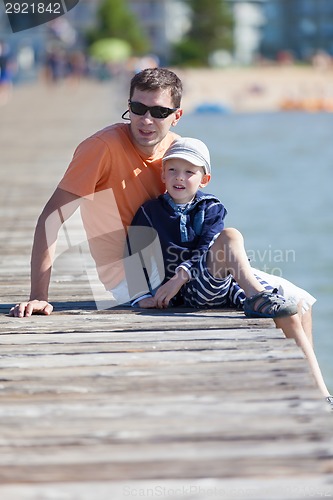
(120, 167)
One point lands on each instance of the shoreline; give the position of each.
(258, 89)
(238, 90)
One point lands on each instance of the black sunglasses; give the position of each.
(156, 111)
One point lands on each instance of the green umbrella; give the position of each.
(110, 50)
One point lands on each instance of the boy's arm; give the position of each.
(169, 289)
(212, 225)
(165, 292)
(138, 240)
(58, 209)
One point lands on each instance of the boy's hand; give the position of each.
(25, 309)
(147, 303)
(167, 291)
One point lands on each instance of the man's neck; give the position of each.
(145, 151)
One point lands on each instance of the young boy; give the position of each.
(188, 222)
(199, 271)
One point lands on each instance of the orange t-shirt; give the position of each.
(114, 179)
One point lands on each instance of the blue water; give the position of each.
(274, 174)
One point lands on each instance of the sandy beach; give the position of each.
(259, 89)
(253, 89)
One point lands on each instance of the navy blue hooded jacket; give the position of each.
(185, 233)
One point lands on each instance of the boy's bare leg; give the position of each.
(227, 256)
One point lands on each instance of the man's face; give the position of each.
(148, 132)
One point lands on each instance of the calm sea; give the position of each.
(274, 174)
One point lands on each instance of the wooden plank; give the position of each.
(120, 320)
(94, 336)
(189, 345)
(165, 461)
(267, 488)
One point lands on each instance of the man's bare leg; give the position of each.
(306, 319)
(292, 328)
(228, 256)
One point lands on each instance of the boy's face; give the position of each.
(183, 179)
(148, 132)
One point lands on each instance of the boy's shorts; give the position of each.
(208, 291)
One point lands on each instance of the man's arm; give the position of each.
(58, 209)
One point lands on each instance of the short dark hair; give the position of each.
(158, 78)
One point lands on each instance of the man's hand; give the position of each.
(26, 309)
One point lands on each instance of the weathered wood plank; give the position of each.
(145, 358)
(189, 345)
(88, 383)
(189, 489)
(172, 461)
(120, 320)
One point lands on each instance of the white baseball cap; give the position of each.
(189, 149)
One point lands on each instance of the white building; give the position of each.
(249, 20)
(164, 21)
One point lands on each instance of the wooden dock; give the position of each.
(120, 403)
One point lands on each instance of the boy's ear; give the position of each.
(205, 180)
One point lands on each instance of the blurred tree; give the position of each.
(115, 20)
(211, 30)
